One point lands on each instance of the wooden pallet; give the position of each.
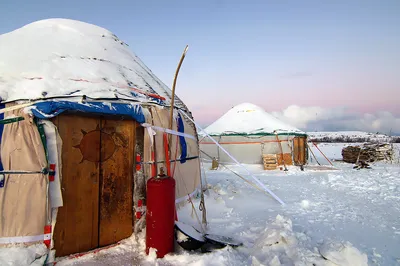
(270, 161)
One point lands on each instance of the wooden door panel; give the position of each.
(117, 166)
(299, 150)
(302, 155)
(295, 150)
(76, 229)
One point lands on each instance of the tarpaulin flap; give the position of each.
(49, 109)
(23, 199)
(181, 128)
(186, 175)
(54, 146)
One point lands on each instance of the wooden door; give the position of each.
(299, 150)
(116, 202)
(77, 229)
(97, 184)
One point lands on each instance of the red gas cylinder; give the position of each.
(160, 215)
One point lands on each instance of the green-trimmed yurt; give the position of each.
(250, 134)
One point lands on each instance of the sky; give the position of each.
(320, 65)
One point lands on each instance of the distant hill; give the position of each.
(351, 136)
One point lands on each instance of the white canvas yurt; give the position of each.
(83, 124)
(250, 134)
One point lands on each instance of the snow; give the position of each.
(247, 118)
(305, 204)
(348, 136)
(181, 237)
(61, 57)
(21, 255)
(343, 254)
(344, 217)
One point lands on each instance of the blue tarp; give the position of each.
(182, 140)
(49, 109)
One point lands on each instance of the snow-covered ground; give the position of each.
(325, 211)
(348, 136)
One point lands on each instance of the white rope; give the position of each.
(237, 162)
(24, 239)
(169, 131)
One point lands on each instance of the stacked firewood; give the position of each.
(368, 152)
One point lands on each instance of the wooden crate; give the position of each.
(270, 161)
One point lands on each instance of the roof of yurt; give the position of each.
(250, 119)
(62, 59)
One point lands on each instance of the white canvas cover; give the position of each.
(187, 174)
(246, 149)
(24, 197)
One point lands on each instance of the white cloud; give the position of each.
(317, 118)
(302, 116)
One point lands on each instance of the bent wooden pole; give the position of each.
(174, 85)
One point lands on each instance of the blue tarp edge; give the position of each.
(50, 109)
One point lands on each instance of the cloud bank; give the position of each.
(317, 118)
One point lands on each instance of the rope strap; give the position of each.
(172, 160)
(45, 171)
(24, 239)
(169, 131)
(11, 120)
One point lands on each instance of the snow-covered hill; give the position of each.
(349, 136)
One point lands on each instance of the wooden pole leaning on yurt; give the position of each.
(171, 119)
(171, 116)
(168, 140)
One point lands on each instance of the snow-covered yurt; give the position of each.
(83, 121)
(249, 134)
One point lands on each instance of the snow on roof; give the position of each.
(247, 118)
(61, 57)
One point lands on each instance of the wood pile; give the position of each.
(368, 152)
